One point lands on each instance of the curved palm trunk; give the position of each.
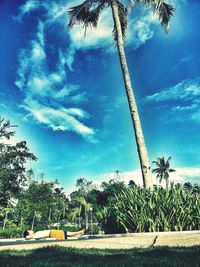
(49, 217)
(33, 222)
(141, 147)
(5, 220)
(167, 183)
(86, 219)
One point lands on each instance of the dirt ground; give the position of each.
(119, 241)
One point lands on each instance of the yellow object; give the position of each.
(59, 234)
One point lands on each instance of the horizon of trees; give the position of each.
(28, 201)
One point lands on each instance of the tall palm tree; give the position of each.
(87, 14)
(162, 170)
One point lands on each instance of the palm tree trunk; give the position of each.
(33, 222)
(141, 147)
(49, 217)
(86, 219)
(5, 220)
(21, 220)
(167, 183)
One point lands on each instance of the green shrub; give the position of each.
(16, 232)
(141, 210)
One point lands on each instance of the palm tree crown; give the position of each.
(163, 169)
(88, 13)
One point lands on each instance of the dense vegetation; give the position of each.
(142, 210)
(27, 201)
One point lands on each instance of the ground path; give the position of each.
(119, 241)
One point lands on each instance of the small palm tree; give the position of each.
(87, 14)
(74, 214)
(83, 205)
(162, 170)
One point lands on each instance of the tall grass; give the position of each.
(141, 210)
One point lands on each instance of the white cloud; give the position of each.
(29, 6)
(184, 175)
(123, 176)
(62, 119)
(184, 108)
(184, 90)
(140, 30)
(181, 175)
(70, 55)
(79, 98)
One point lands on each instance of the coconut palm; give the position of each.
(162, 170)
(87, 14)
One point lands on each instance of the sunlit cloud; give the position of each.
(62, 119)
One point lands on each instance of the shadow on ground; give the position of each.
(61, 256)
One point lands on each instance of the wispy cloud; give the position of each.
(48, 97)
(184, 90)
(186, 93)
(28, 7)
(182, 61)
(62, 119)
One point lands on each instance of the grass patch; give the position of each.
(60, 256)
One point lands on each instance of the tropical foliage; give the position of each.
(12, 164)
(29, 202)
(176, 209)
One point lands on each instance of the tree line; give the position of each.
(28, 201)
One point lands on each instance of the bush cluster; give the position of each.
(16, 232)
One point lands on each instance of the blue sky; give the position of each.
(66, 94)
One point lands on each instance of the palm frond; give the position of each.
(86, 13)
(123, 16)
(157, 164)
(167, 164)
(166, 175)
(163, 10)
(132, 3)
(157, 170)
(169, 158)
